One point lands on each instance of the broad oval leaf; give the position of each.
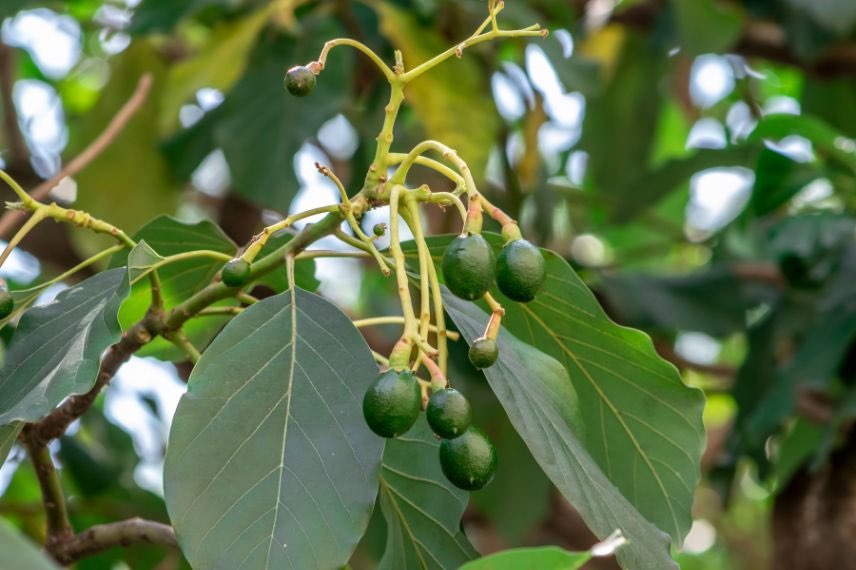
(542, 404)
(56, 350)
(634, 410)
(422, 509)
(270, 463)
(19, 553)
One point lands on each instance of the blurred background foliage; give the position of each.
(693, 159)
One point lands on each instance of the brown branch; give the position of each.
(17, 147)
(106, 536)
(10, 220)
(58, 527)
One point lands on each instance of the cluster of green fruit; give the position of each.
(392, 404)
(470, 269)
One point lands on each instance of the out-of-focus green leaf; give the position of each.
(542, 558)
(259, 126)
(218, 65)
(444, 95)
(577, 73)
(831, 100)
(707, 25)
(18, 553)
(131, 172)
(618, 154)
(645, 189)
(161, 15)
(825, 138)
(422, 509)
(162, 237)
(10, 7)
(714, 301)
(270, 463)
(56, 351)
(777, 179)
(838, 16)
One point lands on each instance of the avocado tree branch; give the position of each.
(58, 525)
(103, 537)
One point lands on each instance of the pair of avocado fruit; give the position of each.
(470, 269)
(392, 404)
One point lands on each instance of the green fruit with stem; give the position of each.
(299, 81)
(483, 353)
(448, 413)
(392, 403)
(379, 229)
(469, 266)
(236, 272)
(469, 460)
(520, 270)
(7, 303)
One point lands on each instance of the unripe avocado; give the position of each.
(299, 81)
(448, 413)
(520, 270)
(483, 353)
(236, 272)
(469, 460)
(392, 403)
(469, 266)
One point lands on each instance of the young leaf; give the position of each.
(18, 552)
(542, 404)
(422, 509)
(56, 350)
(270, 463)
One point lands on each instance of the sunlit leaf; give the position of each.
(8, 437)
(542, 558)
(270, 463)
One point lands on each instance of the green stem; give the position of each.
(217, 291)
(220, 256)
(179, 339)
(377, 170)
(220, 311)
(447, 153)
(383, 67)
(531, 31)
(259, 241)
(375, 321)
(32, 222)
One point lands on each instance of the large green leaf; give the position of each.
(707, 25)
(56, 350)
(542, 558)
(545, 408)
(634, 409)
(422, 509)
(270, 463)
(162, 237)
(259, 126)
(18, 553)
